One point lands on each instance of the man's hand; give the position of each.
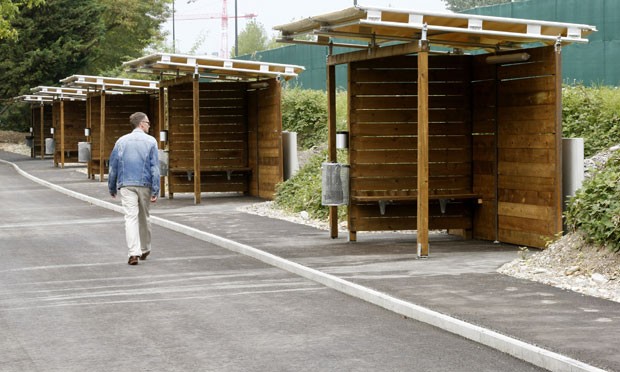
(113, 196)
(153, 198)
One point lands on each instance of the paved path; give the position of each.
(457, 283)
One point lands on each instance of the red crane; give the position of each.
(224, 17)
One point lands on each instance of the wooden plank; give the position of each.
(543, 198)
(539, 141)
(524, 70)
(400, 170)
(527, 183)
(545, 156)
(518, 126)
(522, 238)
(537, 212)
(527, 169)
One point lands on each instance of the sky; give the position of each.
(204, 35)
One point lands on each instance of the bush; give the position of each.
(592, 113)
(302, 192)
(305, 111)
(595, 208)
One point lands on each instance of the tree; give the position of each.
(53, 41)
(253, 39)
(460, 5)
(9, 10)
(130, 27)
(65, 37)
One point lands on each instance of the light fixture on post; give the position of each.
(87, 132)
(31, 130)
(52, 131)
(163, 135)
(507, 58)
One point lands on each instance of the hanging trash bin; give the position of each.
(163, 162)
(335, 184)
(29, 141)
(50, 146)
(83, 152)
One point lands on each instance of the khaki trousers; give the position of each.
(136, 203)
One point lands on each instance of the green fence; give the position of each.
(592, 63)
(312, 57)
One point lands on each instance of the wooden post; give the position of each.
(331, 141)
(42, 131)
(102, 137)
(558, 138)
(62, 133)
(161, 123)
(196, 107)
(88, 138)
(422, 213)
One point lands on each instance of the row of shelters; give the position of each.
(454, 121)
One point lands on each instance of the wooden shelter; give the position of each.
(40, 122)
(223, 126)
(68, 121)
(454, 121)
(110, 102)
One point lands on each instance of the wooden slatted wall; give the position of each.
(223, 137)
(118, 108)
(38, 146)
(265, 140)
(383, 141)
(75, 122)
(529, 144)
(484, 138)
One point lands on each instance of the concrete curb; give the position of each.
(530, 353)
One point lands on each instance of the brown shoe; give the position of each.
(145, 255)
(133, 260)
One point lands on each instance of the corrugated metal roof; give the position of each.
(377, 25)
(118, 84)
(211, 67)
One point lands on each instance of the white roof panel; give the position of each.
(211, 67)
(377, 25)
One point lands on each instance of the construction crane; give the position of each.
(224, 18)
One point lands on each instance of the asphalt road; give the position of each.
(70, 302)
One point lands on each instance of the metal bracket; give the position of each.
(382, 204)
(443, 203)
(424, 36)
(558, 44)
(228, 174)
(190, 174)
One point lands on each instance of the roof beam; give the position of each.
(372, 53)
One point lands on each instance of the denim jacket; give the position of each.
(134, 162)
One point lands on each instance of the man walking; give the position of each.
(134, 172)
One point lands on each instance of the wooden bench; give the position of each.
(444, 199)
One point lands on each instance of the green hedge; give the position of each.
(592, 113)
(305, 111)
